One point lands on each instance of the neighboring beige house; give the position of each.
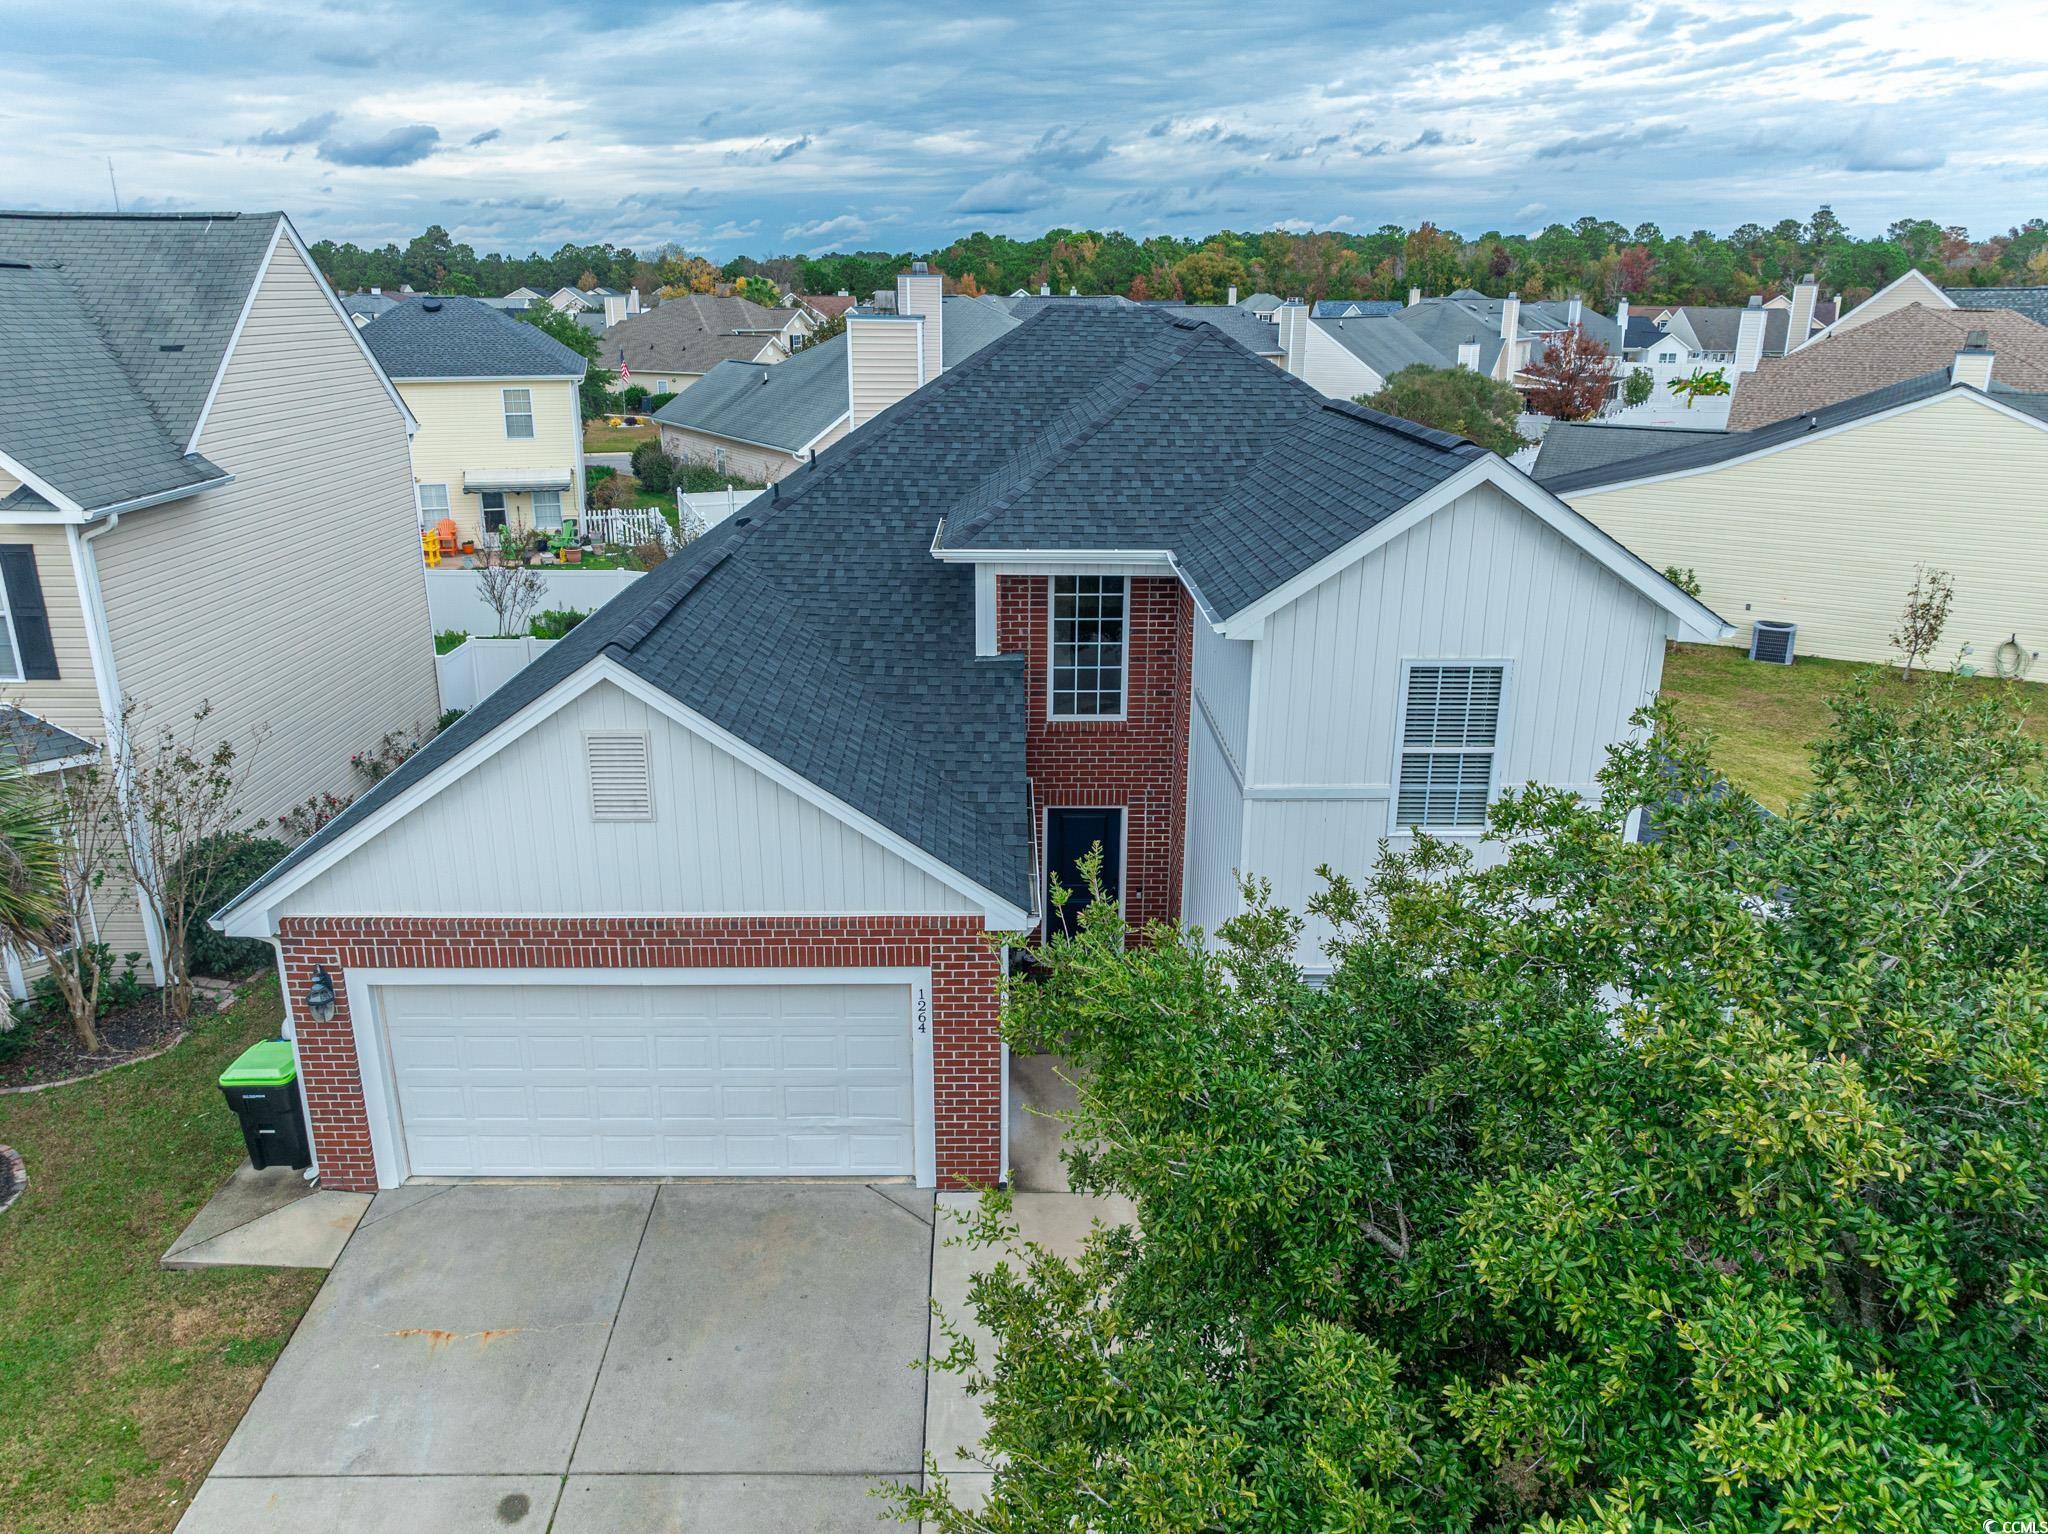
(1821, 520)
(680, 339)
(204, 500)
(500, 438)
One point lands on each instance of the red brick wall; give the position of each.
(966, 1053)
(1139, 761)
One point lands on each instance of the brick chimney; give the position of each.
(1804, 295)
(1749, 335)
(1973, 363)
(922, 291)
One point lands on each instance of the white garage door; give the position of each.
(653, 1080)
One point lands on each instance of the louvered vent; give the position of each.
(620, 788)
(1449, 733)
(1772, 642)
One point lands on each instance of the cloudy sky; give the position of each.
(763, 127)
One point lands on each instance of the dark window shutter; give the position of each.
(25, 606)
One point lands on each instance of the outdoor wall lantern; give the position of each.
(320, 995)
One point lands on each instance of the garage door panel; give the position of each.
(653, 1080)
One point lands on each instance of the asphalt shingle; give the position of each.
(462, 338)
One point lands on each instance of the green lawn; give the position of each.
(602, 437)
(119, 1382)
(1763, 718)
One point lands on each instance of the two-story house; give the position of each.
(204, 499)
(1113, 581)
(500, 438)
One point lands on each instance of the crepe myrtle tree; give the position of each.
(1690, 1185)
(1572, 378)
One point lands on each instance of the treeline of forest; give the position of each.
(1597, 258)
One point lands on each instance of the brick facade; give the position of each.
(966, 1052)
(1139, 761)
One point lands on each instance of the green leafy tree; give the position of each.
(1455, 400)
(1637, 388)
(761, 291)
(1705, 384)
(1617, 1188)
(594, 395)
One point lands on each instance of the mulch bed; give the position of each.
(54, 1053)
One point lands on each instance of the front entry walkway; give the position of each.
(608, 1356)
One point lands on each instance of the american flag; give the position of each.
(625, 373)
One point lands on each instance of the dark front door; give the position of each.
(1070, 835)
(494, 511)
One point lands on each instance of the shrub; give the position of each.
(448, 718)
(555, 622)
(239, 858)
(122, 988)
(448, 639)
(302, 820)
(656, 401)
(597, 473)
(634, 396)
(610, 493)
(1685, 578)
(655, 467)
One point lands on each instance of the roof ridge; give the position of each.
(1082, 419)
(1415, 431)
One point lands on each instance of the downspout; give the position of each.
(99, 643)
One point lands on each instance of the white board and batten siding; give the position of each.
(516, 836)
(1482, 580)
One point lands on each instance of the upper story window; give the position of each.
(1088, 639)
(1450, 734)
(518, 413)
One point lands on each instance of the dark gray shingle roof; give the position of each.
(785, 405)
(1383, 343)
(112, 330)
(2032, 302)
(461, 338)
(1571, 447)
(818, 627)
(1239, 323)
(30, 741)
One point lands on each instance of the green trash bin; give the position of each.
(262, 1086)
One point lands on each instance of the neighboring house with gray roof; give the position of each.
(1575, 447)
(2032, 302)
(500, 435)
(763, 422)
(1822, 520)
(204, 501)
(794, 777)
(679, 340)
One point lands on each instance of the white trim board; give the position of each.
(235, 337)
(380, 1092)
(243, 917)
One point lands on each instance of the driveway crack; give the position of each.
(617, 1310)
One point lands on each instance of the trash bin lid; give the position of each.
(269, 1064)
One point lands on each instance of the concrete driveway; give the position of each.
(586, 1357)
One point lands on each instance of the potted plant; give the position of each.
(572, 555)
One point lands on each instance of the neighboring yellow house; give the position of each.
(1821, 520)
(500, 438)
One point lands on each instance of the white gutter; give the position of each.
(114, 512)
(99, 643)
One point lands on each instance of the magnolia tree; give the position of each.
(1692, 1185)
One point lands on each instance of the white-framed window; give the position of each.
(547, 510)
(1450, 737)
(518, 413)
(1087, 632)
(10, 652)
(718, 459)
(433, 503)
(494, 510)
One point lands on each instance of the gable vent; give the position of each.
(620, 787)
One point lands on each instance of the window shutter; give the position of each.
(31, 618)
(620, 786)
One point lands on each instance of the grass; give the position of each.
(603, 437)
(1764, 718)
(119, 1381)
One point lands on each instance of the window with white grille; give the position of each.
(620, 785)
(433, 501)
(1450, 730)
(1088, 627)
(518, 413)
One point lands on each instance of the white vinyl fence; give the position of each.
(625, 525)
(711, 507)
(476, 668)
(455, 601)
